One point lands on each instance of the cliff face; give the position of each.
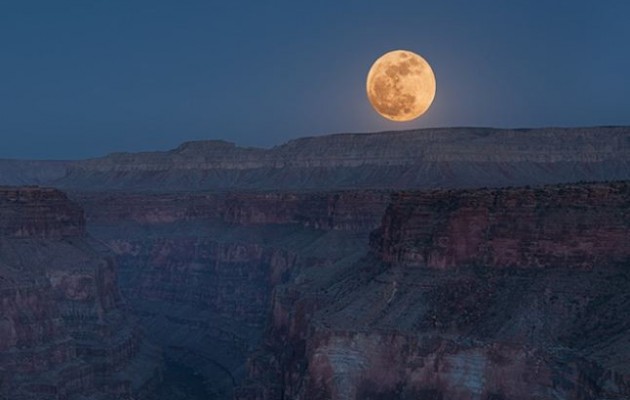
(38, 212)
(490, 294)
(570, 226)
(199, 269)
(291, 272)
(456, 294)
(428, 158)
(387, 149)
(433, 312)
(342, 210)
(63, 332)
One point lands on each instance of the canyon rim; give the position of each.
(463, 263)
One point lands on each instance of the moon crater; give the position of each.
(401, 85)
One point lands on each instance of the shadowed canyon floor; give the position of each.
(310, 274)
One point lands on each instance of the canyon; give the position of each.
(535, 310)
(64, 331)
(458, 263)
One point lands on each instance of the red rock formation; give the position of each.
(566, 226)
(63, 332)
(429, 314)
(38, 212)
(199, 268)
(463, 294)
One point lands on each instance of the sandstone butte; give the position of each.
(414, 266)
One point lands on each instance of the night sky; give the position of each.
(84, 78)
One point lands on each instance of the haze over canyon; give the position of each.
(451, 264)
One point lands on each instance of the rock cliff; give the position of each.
(427, 158)
(317, 270)
(199, 269)
(564, 226)
(64, 333)
(38, 212)
(432, 312)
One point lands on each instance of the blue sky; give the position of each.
(85, 78)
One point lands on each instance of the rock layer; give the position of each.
(199, 269)
(235, 258)
(565, 226)
(38, 212)
(427, 158)
(64, 333)
(398, 324)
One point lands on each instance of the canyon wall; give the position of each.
(298, 273)
(323, 295)
(39, 212)
(64, 333)
(426, 158)
(198, 269)
(431, 312)
(563, 226)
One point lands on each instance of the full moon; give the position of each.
(401, 85)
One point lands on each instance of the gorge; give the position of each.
(456, 264)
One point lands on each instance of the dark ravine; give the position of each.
(317, 270)
(199, 269)
(206, 276)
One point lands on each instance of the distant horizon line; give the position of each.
(316, 136)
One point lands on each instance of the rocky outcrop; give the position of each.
(396, 324)
(37, 212)
(432, 308)
(258, 283)
(387, 149)
(427, 158)
(563, 226)
(64, 333)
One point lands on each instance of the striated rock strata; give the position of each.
(535, 310)
(256, 272)
(426, 158)
(566, 226)
(199, 269)
(64, 333)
